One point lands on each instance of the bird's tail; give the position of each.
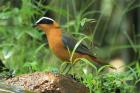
(100, 62)
(97, 61)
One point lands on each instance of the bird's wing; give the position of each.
(70, 42)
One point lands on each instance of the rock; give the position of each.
(43, 82)
(4, 88)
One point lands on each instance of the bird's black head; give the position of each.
(46, 24)
(44, 20)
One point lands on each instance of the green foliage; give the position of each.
(22, 47)
(112, 82)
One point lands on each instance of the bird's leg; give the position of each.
(67, 68)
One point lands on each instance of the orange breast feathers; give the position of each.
(56, 45)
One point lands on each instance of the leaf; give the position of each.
(76, 46)
(89, 63)
(39, 48)
(103, 67)
(85, 20)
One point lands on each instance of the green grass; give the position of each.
(23, 50)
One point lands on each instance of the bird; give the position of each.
(62, 43)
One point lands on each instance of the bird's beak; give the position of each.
(34, 25)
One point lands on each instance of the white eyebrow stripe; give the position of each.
(43, 18)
